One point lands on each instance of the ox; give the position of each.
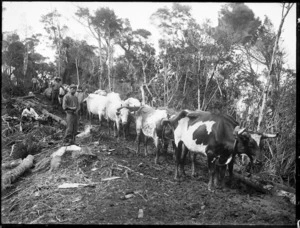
(149, 122)
(127, 116)
(115, 112)
(96, 105)
(218, 137)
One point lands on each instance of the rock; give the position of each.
(141, 213)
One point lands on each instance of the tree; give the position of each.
(56, 32)
(110, 26)
(80, 54)
(30, 44)
(285, 10)
(173, 24)
(104, 26)
(139, 55)
(14, 57)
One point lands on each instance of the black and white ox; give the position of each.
(218, 137)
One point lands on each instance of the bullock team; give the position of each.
(217, 136)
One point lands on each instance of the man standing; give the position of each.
(55, 91)
(71, 106)
(81, 95)
(34, 84)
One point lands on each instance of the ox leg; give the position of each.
(138, 139)
(183, 157)
(217, 176)
(157, 145)
(145, 144)
(211, 169)
(166, 145)
(124, 131)
(117, 124)
(193, 158)
(177, 159)
(114, 129)
(90, 117)
(222, 171)
(230, 167)
(174, 150)
(108, 125)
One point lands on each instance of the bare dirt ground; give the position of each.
(36, 198)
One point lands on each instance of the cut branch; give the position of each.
(56, 118)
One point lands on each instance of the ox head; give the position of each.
(244, 143)
(123, 114)
(248, 142)
(167, 129)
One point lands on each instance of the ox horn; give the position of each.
(132, 108)
(118, 109)
(237, 130)
(229, 160)
(267, 135)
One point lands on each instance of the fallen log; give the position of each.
(56, 118)
(11, 164)
(12, 175)
(272, 188)
(252, 182)
(26, 97)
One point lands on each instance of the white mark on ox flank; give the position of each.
(184, 133)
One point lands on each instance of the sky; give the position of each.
(24, 18)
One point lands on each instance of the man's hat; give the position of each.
(73, 86)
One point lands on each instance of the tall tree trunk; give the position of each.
(143, 95)
(266, 89)
(108, 67)
(184, 85)
(206, 86)
(100, 64)
(199, 103)
(198, 73)
(25, 60)
(76, 63)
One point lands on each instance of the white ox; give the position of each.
(96, 105)
(116, 113)
(126, 115)
(148, 121)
